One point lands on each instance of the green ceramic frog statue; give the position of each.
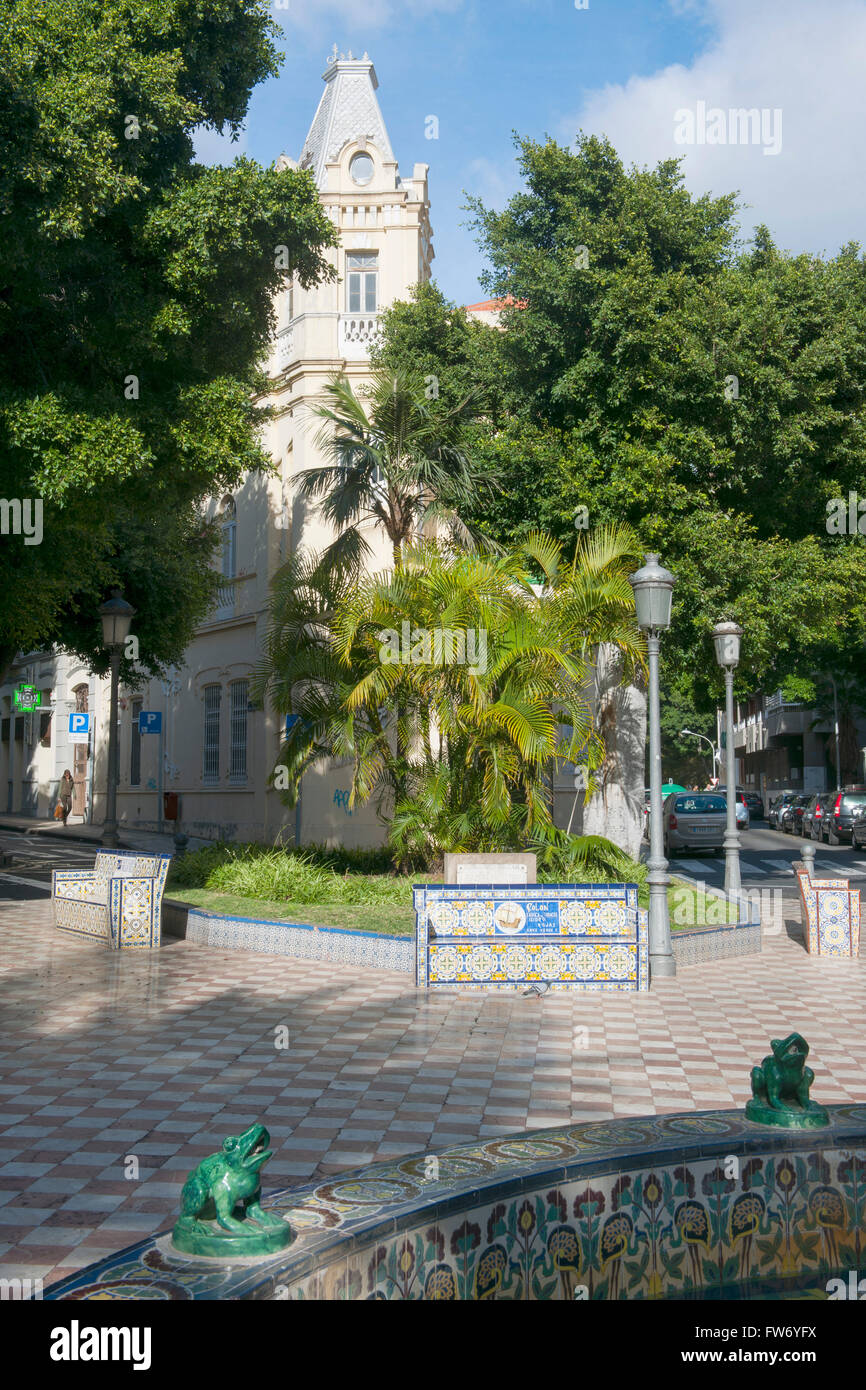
(780, 1088)
(225, 1183)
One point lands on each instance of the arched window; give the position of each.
(229, 531)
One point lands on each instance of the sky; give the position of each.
(659, 78)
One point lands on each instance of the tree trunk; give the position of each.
(620, 715)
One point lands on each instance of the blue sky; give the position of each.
(620, 67)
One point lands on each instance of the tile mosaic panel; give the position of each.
(505, 937)
(832, 912)
(118, 900)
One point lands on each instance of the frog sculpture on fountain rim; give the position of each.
(223, 1183)
(780, 1088)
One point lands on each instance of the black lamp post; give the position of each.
(653, 594)
(116, 617)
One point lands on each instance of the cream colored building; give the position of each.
(217, 751)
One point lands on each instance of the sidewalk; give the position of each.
(148, 841)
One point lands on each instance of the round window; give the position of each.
(362, 169)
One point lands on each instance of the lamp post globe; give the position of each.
(116, 615)
(726, 639)
(653, 595)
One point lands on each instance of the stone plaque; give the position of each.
(490, 868)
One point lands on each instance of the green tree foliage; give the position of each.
(135, 304)
(656, 375)
(458, 742)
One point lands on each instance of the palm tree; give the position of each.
(395, 459)
(455, 736)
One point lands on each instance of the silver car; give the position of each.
(694, 820)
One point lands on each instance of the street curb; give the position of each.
(59, 835)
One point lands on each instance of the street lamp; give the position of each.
(726, 637)
(715, 755)
(653, 594)
(116, 617)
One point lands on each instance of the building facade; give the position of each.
(783, 745)
(216, 750)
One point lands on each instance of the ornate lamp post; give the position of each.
(116, 617)
(653, 594)
(726, 637)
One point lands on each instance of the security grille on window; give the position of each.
(135, 747)
(211, 766)
(239, 691)
(362, 269)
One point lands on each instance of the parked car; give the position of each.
(858, 828)
(777, 805)
(838, 822)
(786, 812)
(818, 808)
(742, 808)
(798, 811)
(755, 805)
(694, 820)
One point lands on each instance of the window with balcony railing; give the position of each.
(362, 273)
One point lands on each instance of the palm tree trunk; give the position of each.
(620, 714)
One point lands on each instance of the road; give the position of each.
(765, 861)
(26, 862)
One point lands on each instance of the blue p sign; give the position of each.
(150, 721)
(79, 723)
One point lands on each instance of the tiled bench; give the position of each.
(118, 901)
(561, 936)
(831, 911)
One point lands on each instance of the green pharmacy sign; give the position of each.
(27, 698)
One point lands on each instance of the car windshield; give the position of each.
(849, 801)
(700, 805)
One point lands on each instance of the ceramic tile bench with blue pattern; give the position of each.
(832, 912)
(118, 901)
(588, 936)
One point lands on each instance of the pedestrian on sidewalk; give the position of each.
(65, 794)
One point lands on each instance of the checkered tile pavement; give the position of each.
(118, 1073)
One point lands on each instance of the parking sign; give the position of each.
(79, 727)
(149, 721)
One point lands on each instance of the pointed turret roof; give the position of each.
(348, 111)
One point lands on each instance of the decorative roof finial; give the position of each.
(351, 58)
(333, 57)
(366, 56)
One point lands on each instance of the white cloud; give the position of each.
(801, 57)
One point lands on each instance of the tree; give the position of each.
(396, 459)
(710, 399)
(451, 682)
(135, 305)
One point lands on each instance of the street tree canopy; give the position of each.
(136, 291)
(655, 373)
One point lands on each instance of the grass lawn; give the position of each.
(687, 907)
(392, 919)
